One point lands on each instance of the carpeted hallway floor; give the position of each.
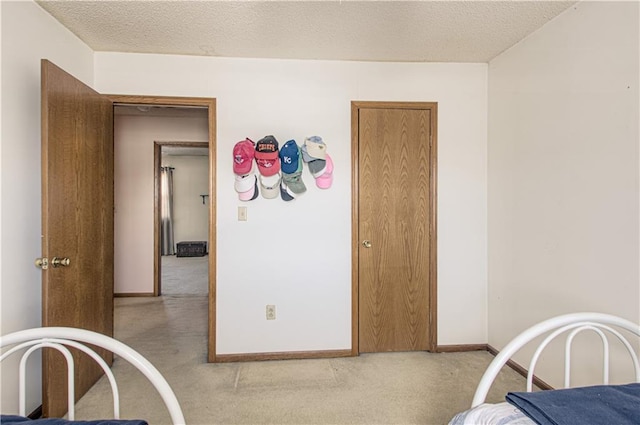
(184, 275)
(386, 388)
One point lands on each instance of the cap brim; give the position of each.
(317, 167)
(316, 151)
(242, 168)
(271, 188)
(270, 171)
(270, 193)
(251, 194)
(284, 193)
(325, 181)
(244, 183)
(294, 183)
(288, 168)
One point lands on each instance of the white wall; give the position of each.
(190, 180)
(134, 138)
(298, 255)
(28, 34)
(563, 171)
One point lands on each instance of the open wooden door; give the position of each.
(77, 224)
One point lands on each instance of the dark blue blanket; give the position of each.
(20, 420)
(601, 404)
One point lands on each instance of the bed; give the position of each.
(28, 341)
(594, 404)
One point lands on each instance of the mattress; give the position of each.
(492, 414)
(598, 404)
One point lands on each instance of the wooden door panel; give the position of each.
(77, 222)
(394, 202)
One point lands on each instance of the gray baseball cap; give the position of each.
(294, 182)
(317, 167)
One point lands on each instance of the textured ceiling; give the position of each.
(399, 31)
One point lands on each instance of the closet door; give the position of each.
(394, 230)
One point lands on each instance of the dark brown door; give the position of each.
(77, 223)
(394, 228)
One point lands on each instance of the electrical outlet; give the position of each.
(271, 312)
(242, 213)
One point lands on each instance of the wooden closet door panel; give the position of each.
(394, 202)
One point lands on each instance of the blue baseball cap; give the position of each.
(289, 157)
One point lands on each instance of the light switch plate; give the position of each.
(242, 213)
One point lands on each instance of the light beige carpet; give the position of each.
(184, 275)
(171, 331)
(389, 388)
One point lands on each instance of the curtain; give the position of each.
(166, 210)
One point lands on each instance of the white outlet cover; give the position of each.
(271, 312)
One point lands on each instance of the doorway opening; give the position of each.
(181, 218)
(181, 106)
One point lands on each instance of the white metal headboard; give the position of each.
(601, 324)
(59, 338)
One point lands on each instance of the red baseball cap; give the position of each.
(267, 156)
(243, 153)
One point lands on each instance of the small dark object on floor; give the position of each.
(192, 249)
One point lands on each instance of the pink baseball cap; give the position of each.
(247, 187)
(243, 153)
(244, 183)
(325, 180)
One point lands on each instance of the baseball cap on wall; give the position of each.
(294, 183)
(285, 194)
(315, 148)
(326, 179)
(290, 157)
(317, 167)
(247, 187)
(266, 154)
(270, 186)
(243, 153)
(244, 182)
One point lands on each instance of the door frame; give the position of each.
(355, 216)
(157, 249)
(210, 103)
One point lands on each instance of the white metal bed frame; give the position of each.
(59, 338)
(603, 325)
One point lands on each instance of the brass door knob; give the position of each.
(60, 262)
(42, 263)
(366, 244)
